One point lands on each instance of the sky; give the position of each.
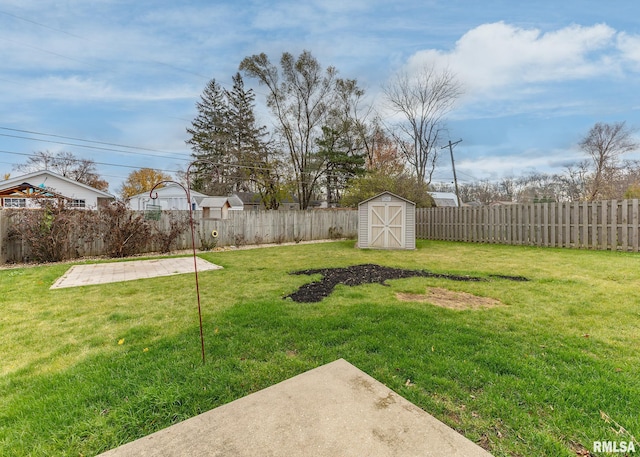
(117, 81)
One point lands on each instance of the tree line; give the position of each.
(602, 175)
(326, 144)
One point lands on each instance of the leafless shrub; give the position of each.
(208, 242)
(178, 224)
(125, 233)
(335, 233)
(53, 232)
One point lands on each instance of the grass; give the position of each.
(86, 369)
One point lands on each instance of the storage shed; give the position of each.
(387, 221)
(215, 207)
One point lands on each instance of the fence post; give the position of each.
(634, 224)
(3, 234)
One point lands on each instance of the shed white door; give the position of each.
(386, 225)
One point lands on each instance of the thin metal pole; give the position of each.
(453, 165)
(193, 246)
(195, 262)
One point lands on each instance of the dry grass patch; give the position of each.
(446, 298)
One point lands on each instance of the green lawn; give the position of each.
(86, 369)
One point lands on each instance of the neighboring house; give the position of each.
(236, 203)
(253, 202)
(444, 199)
(24, 191)
(170, 197)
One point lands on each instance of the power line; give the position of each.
(78, 160)
(88, 141)
(217, 164)
(40, 24)
(90, 147)
(47, 52)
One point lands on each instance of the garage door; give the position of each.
(386, 225)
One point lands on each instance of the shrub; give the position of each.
(178, 224)
(124, 232)
(53, 232)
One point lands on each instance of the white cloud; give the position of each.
(493, 167)
(73, 89)
(498, 55)
(629, 46)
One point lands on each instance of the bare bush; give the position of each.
(125, 233)
(178, 224)
(53, 232)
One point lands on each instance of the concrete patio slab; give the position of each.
(333, 410)
(101, 273)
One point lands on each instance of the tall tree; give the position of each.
(142, 180)
(66, 164)
(210, 141)
(604, 144)
(382, 152)
(249, 149)
(230, 148)
(420, 102)
(300, 96)
(342, 145)
(342, 162)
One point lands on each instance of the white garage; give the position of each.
(387, 221)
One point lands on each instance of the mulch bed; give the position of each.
(366, 274)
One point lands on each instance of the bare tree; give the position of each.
(301, 97)
(421, 102)
(604, 144)
(65, 164)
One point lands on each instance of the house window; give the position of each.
(78, 203)
(15, 202)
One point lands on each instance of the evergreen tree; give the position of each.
(248, 150)
(231, 147)
(209, 141)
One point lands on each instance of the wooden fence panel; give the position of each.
(242, 227)
(612, 225)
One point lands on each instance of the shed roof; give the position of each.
(215, 202)
(387, 193)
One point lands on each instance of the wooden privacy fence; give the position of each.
(242, 227)
(259, 227)
(607, 225)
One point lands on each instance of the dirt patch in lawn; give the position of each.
(446, 298)
(366, 274)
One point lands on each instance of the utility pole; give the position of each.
(453, 165)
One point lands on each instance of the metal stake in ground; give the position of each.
(193, 246)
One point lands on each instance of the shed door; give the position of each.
(386, 225)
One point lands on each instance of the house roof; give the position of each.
(236, 202)
(442, 199)
(385, 193)
(170, 190)
(31, 179)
